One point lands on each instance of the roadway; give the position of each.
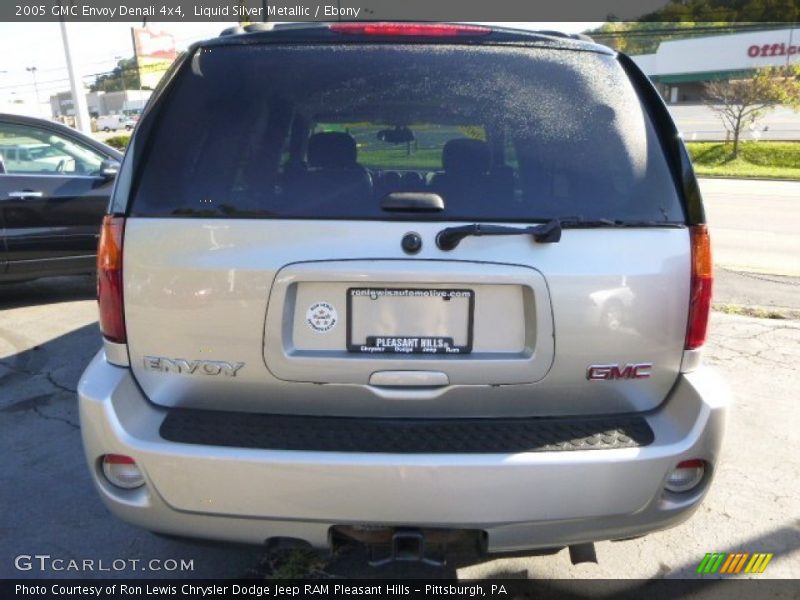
(697, 122)
(755, 232)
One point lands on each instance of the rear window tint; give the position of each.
(326, 131)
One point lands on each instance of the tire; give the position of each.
(106, 129)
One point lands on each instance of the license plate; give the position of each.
(409, 320)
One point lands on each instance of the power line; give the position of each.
(596, 33)
(114, 74)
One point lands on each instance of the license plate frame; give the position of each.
(426, 345)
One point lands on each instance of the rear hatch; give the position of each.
(280, 248)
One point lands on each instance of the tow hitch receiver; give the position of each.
(581, 553)
(409, 544)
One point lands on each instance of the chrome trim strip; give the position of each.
(116, 354)
(692, 359)
(41, 260)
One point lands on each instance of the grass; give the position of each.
(757, 311)
(292, 563)
(771, 160)
(393, 158)
(120, 142)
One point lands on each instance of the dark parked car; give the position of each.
(54, 188)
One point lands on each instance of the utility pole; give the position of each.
(82, 122)
(32, 70)
(135, 62)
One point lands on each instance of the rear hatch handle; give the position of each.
(412, 202)
(546, 233)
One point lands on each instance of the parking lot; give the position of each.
(48, 332)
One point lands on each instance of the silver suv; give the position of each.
(404, 284)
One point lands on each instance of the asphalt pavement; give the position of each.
(755, 233)
(755, 224)
(698, 122)
(48, 333)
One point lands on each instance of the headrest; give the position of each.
(466, 156)
(331, 150)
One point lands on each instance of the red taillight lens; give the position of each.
(702, 282)
(122, 471)
(410, 29)
(109, 279)
(118, 459)
(686, 476)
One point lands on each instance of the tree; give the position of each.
(742, 101)
(634, 37)
(125, 76)
(681, 19)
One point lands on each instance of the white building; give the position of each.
(115, 103)
(101, 103)
(679, 68)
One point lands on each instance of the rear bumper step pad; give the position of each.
(404, 436)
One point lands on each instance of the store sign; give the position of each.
(155, 51)
(781, 49)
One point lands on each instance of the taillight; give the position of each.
(109, 279)
(686, 476)
(410, 29)
(122, 471)
(702, 282)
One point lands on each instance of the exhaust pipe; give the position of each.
(582, 553)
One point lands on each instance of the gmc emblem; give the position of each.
(629, 371)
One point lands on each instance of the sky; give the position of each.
(96, 48)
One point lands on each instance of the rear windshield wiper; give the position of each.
(546, 233)
(581, 223)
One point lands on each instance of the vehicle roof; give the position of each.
(265, 33)
(57, 127)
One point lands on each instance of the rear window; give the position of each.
(327, 131)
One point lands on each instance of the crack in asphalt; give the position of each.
(54, 418)
(48, 375)
(36, 408)
(770, 347)
(782, 280)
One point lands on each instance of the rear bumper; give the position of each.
(521, 500)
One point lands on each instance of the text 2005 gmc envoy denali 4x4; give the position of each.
(404, 284)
